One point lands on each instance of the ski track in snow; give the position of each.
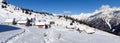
(15, 37)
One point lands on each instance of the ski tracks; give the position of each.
(17, 36)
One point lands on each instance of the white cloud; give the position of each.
(105, 7)
(67, 12)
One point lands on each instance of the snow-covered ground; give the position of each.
(55, 35)
(8, 32)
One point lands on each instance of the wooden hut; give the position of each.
(42, 24)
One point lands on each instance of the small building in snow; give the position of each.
(8, 21)
(22, 22)
(81, 27)
(51, 21)
(90, 30)
(42, 24)
(71, 27)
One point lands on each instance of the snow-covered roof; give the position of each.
(41, 23)
(82, 27)
(23, 18)
(22, 21)
(71, 26)
(59, 22)
(90, 30)
(47, 23)
(9, 20)
(50, 20)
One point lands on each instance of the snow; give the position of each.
(41, 23)
(37, 36)
(9, 20)
(10, 33)
(1, 0)
(82, 16)
(2, 19)
(108, 22)
(55, 34)
(71, 26)
(22, 22)
(90, 30)
(81, 27)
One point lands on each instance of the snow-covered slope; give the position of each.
(55, 34)
(9, 11)
(36, 35)
(10, 32)
(105, 18)
(108, 17)
(82, 16)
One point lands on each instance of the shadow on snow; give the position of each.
(4, 28)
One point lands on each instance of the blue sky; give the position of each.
(62, 6)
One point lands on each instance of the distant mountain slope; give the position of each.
(105, 18)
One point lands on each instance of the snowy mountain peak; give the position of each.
(105, 11)
(105, 18)
(105, 7)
